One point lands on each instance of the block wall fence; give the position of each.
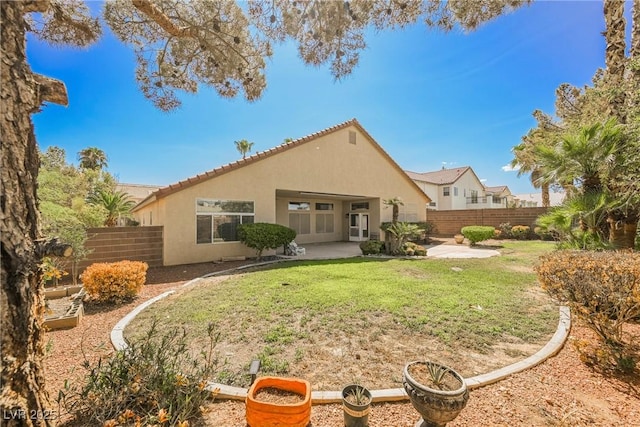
(110, 244)
(450, 222)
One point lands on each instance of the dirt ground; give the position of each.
(560, 392)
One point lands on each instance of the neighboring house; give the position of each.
(529, 200)
(498, 196)
(459, 188)
(328, 186)
(137, 192)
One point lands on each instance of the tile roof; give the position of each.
(165, 191)
(495, 189)
(440, 177)
(137, 192)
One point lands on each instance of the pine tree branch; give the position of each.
(51, 90)
(149, 9)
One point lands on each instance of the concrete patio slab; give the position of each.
(460, 251)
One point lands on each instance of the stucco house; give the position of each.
(498, 196)
(328, 186)
(459, 188)
(528, 200)
(136, 192)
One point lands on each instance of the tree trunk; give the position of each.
(546, 200)
(23, 401)
(630, 231)
(634, 52)
(616, 231)
(615, 60)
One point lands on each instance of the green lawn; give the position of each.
(282, 312)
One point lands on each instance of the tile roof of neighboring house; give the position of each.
(441, 177)
(137, 192)
(165, 191)
(496, 189)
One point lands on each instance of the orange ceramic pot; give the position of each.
(264, 414)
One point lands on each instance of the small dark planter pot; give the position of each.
(356, 415)
(437, 407)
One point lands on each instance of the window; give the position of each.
(455, 191)
(445, 191)
(218, 220)
(352, 137)
(300, 222)
(324, 206)
(324, 223)
(359, 205)
(408, 212)
(203, 229)
(432, 203)
(299, 206)
(474, 196)
(151, 218)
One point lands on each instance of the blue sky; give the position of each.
(427, 97)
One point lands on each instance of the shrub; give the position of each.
(412, 249)
(520, 232)
(477, 233)
(156, 381)
(505, 230)
(545, 234)
(51, 270)
(401, 232)
(261, 236)
(602, 289)
(426, 227)
(371, 247)
(114, 282)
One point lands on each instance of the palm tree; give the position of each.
(584, 158)
(92, 158)
(588, 211)
(395, 203)
(615, 59)
(116, 203)
(588, 159)
(243, 146)
(525, 161)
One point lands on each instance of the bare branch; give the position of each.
(51, 90)
(53, 247)
(149, 9)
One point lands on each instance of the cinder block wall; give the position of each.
(110, 244)
(450, 222)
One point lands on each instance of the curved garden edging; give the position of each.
(552, 348)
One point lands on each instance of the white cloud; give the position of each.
(483, 180)
(509, 168)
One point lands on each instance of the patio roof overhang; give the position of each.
(320, 195)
